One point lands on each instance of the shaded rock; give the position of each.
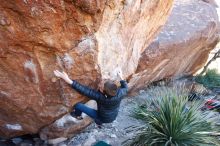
(212, 2)
(86, 38)
(27, 143)
(7, 143)
(198, 88)
(183, 45)
(66, 127)
(16, 140)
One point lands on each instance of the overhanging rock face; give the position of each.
(86, 38)
(183, 45)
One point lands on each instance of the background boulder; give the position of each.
(183, 45)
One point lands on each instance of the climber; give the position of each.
(108, 101)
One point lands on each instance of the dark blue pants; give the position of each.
(82, 108)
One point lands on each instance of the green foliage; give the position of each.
(169, 121)
(211, 79)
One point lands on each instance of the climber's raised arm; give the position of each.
(124, 87)
(84, 90)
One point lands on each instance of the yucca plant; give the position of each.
(211, 79)
(170, 121)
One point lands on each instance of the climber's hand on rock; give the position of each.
(63, 76)
(57, 73)
(119, 73)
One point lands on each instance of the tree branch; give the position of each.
(216, 55)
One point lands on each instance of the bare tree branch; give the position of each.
(216, 55)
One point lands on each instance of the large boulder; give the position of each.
(86, 38)
(183, 45)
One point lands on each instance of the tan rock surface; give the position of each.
(126, 29)
(182, 46)
(86, 38)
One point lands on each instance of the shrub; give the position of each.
(170, 121)
(211, 79)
